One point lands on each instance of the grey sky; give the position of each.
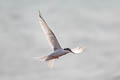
(90, 23)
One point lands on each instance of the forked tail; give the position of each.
(44, 59)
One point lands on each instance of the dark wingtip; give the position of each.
(39, 13)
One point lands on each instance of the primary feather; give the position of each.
(49, 34)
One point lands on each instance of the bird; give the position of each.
(58, 51)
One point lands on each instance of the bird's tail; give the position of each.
(44, 59)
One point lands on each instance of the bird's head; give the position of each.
(68, 49)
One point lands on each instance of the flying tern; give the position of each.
(58, 51)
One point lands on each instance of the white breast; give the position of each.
(59, 52)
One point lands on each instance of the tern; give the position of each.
(58, 51)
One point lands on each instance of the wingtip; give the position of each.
(39, 13)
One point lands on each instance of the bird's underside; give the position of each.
(51, 57)
(57, 50)
(56, 54)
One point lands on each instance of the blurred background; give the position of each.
(94, 24)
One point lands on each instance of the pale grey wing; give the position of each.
(49, 34)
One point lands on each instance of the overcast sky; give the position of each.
(94, 24)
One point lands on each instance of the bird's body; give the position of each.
(57, 50)
(56, 54)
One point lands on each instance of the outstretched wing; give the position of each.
(49, 34)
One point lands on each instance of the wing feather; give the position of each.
(49, 34)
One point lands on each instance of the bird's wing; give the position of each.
(77, 50)
(49, 34)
